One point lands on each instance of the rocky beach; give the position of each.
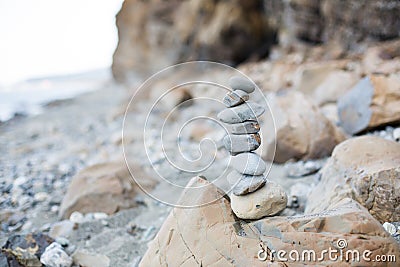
(298, 152)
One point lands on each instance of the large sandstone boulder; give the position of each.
(366, 169)
(106, 187)
(302, 132)
(212, 236)
(373, 102)
(156, 34)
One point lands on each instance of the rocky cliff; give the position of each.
(155, 34)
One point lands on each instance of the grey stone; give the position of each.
(353, 107)
(302, 168)
(235, 98)
(239, 83)
(248, 163)
(244, 184)
(242, 143)
(247, 127)
(244, 112)
(55, 256)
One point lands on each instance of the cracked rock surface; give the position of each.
(213, 236)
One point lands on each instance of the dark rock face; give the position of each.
(373, 102)
(346, 21)
(357, 20)
(155, 34)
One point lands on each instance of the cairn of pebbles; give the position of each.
(253, 196)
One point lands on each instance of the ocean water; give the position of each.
(29, 97)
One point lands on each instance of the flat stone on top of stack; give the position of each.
(248, 175)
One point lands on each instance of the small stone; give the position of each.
(87, 259)
(61, 229)
(54, 208)
(235, 98)
(40, 196)
(27, 248)
(55, 256)
(16, 218)
(242, 143)
(298, 195)
(5, 215)
(76, 217)
(390, 228)
(266, 201)
(62, 241)
(244, 184)
(396, 134)
(239, 83)
(301, 168)
(100, 215)
(27, 226)
(244, 112)
(20, 181)
(247, 127)
(248, 163)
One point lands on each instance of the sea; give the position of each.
(30, 97)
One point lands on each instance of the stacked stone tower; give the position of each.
(248, 176)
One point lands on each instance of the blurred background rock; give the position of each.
(155, 34)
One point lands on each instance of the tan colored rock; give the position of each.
(366, 169)
(346, 224)
(203, 235)
(88, 259)
(156, 34)
(335, 85)
(266, 201)
(373, 102)
(302, 132)
(106, 187)
(383, 58)
(212, 236)
(309, 75)
(270, 76)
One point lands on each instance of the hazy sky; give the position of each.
(50, 37)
